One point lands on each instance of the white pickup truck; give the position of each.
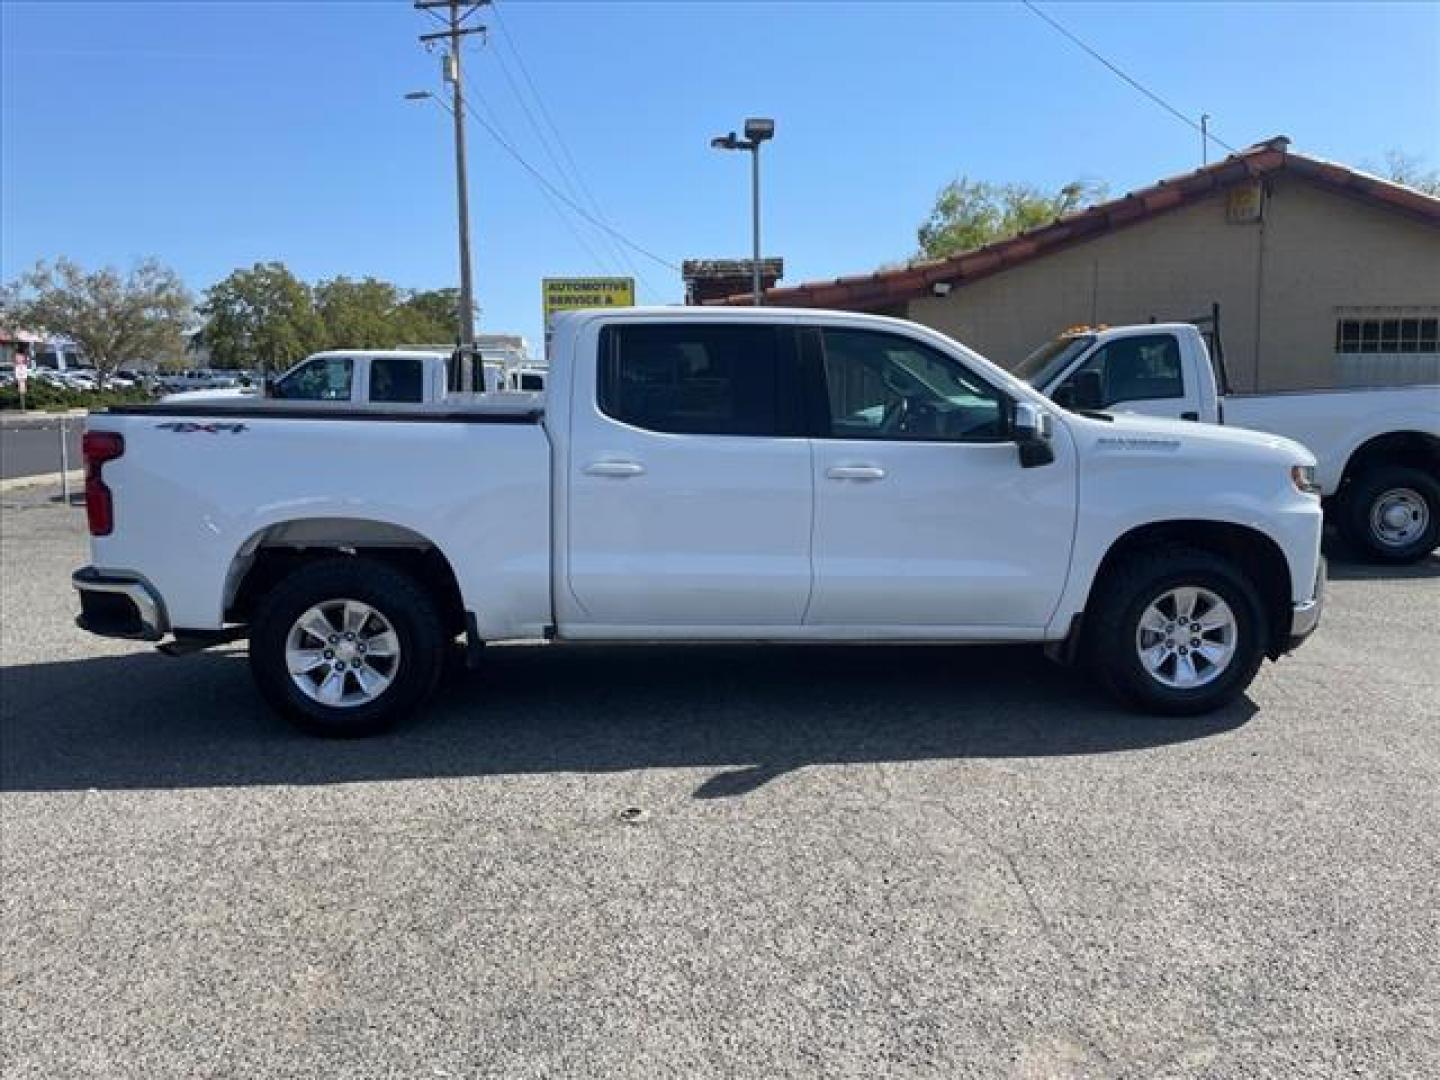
(692, 475)
(359, 376)
(1378, 449)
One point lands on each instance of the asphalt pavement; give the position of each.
(728, 862)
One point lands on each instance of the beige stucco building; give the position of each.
(1321, 275)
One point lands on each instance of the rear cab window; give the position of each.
(397, 379)
(695, 378)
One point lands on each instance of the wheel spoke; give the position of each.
(370, 680)
(356, 616)
(1184, 601)
(315, 623)
(383, 644)
(1214, 652)
(1155, 656)
(1185, 673)
(1154, 620)
(332, 689)
(301, 661)
(1217, 618)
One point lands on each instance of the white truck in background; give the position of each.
(1378, 450)
(370, 377)
(692, 474)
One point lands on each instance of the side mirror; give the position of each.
(1032, 428)
(1087, 390)
(267, 387)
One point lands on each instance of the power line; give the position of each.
(613, 258)
(574, 169)
(542, 179)
(550, 200)
(1156, 98)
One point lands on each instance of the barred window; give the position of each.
(1412, 335)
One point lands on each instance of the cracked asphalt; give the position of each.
(728, 862)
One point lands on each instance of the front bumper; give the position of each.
(1305, 616)
(117, 604)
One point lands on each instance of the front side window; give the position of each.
(397, 379)
(884, 386)
(689, 378)
(1133, 369)
(325, 378)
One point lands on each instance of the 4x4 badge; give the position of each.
(186, 427)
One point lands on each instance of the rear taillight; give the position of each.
(99, 447)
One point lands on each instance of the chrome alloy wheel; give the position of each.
(342, 653)
(1399, 517)
(1186, 638)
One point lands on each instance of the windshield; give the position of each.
(1051, 358)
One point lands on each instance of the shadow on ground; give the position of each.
(1349, 564)
(146, 721)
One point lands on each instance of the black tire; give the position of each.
(1360, 506)
(399, 598)
(1112, 626)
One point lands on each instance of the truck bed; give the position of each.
(200, 486)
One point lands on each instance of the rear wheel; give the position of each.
(346, 646)
(1393, 513)
(1178, 631)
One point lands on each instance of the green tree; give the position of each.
(262, 316)
(358, 314)
(116, 318)
(972, 213)
(1408, 169)
(431, 316)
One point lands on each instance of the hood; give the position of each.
(1191, 433)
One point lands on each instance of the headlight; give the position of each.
(1303, 477)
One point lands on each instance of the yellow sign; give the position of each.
(576, 294)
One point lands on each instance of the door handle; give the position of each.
(614, 468)
(1189, 416)
(855, 472)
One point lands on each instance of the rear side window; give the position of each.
(695, 378)
(397, 378)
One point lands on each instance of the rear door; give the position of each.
(1139, 373)
(924, 516)
(689, 479)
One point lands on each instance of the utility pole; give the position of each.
(1204, 139)
(455, 75)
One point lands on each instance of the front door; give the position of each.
(689, 480)
(924, 516)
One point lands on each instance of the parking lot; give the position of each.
(659, 862)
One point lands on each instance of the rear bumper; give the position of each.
(1305, 616)
(118, 604)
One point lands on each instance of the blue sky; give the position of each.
(213, 135)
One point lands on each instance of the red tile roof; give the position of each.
(887, 288)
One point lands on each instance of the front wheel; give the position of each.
(346, 646)
(1393, 514)
(1177, 631)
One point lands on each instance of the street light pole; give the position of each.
(755, 224)
(757, 131)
